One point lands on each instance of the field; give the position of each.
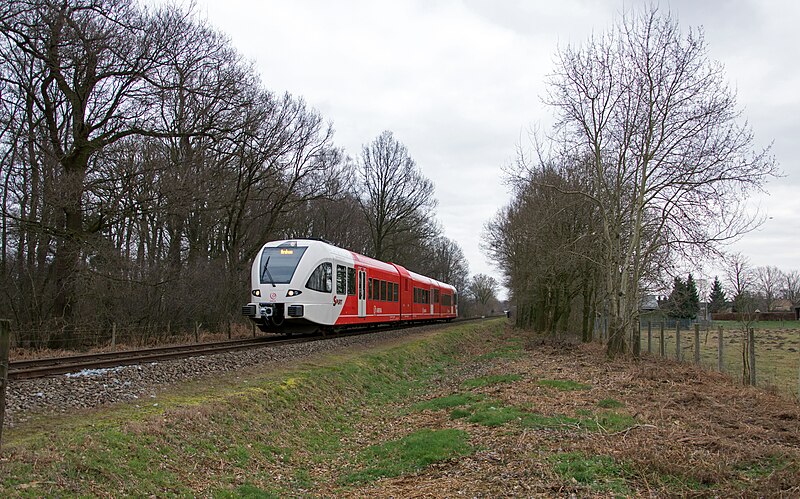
(777, 347)
(476, 410)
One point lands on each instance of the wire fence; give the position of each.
(755, 356)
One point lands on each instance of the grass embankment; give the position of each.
(478, 409)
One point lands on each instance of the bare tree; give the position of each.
(667, 154)
(396, 198)
(92, 62)
(741, 283)
(769, 279)
(791, 287)
(483, 288)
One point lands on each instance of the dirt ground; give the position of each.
(697, 433)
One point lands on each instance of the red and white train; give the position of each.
(305, 284)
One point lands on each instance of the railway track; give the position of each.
(52, 366)
(37, 368)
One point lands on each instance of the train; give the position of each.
(305, 285)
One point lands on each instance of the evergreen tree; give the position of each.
(691, 305)
(676, 298)
(684, 301)
(716, 299)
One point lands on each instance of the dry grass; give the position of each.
(697, 433)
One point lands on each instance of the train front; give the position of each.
(288, 284)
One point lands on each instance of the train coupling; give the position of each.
(262, 310)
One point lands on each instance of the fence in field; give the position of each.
(763, 357)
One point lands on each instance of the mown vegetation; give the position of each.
(474, 409)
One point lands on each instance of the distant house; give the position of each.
(648, 303)
(782, 306)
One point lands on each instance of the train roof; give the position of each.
(366, 260)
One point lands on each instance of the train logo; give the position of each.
(337, 301)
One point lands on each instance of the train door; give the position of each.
(430, 298)
(362, 293)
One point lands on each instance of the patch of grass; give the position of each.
(539, 421)
(610, 404)
(563, 384)
(408, 454)
(606, 421)
(459, 413)
(610, 422)
(599, 473)
(248, 491)
(454, 400)
(492, 413)
(762, 468)
(509, 352)
(491, 380)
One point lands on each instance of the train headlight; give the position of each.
(292, 292)
(256, 292)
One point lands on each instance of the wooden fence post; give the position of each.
(751, 347)
(637, 340)
(649, 335)
(5, 342)
(662, 350)
(678, 341)
(720, 347)
(114, 336)
(697, 344)
(196, 332)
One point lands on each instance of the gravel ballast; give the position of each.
(89, 389)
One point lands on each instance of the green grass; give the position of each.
(761, 468)
(409, 454)
(508, 352)
(491, 380)
(563, 384)
(490, 413)
(610, 404)
(598, 473)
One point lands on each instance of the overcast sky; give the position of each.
(460, 82)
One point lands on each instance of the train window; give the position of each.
(278, 264)
(435, 296)
(426, 296)
(376, 289)
(322, 278)
(369, 288)
(396, 291)
(383, 290)
(341, 280)
(351, 281)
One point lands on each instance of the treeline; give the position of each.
(144, 163)
(749, 289)
(648, 165)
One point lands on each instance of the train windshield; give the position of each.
(278, 264)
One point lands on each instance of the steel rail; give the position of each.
(62, 365)
(52, 366)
